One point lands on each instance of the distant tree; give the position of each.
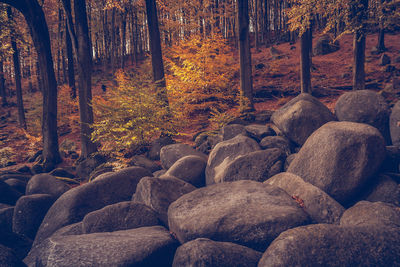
(35, 19)
(246, 81)
(3, 93)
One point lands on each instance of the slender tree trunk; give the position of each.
(256, 32)
(113, 44)
(156, 53)
(381, 37)
(3, 93)
(305, 62)
(358, 61)
(17, 73)
(70, 56)
(246, 83)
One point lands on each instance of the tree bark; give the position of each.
(246, 83)
(305, 62)
(70, 56)
(156, 53)
(35, 19)
(358, 61)
(3, 93)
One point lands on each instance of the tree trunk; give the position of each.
(156, 53)
(35, 19)
(358, 60)
(70, 56)
(305, 62)
(381, 37)
(246, 83)
(3, 93)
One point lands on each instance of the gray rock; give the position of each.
(190, 169)
(16, 184)
(395, 124)
(29, 212)
(46, 184)
(72, 206)
(120, 216)
(156, 145)
(385, 190)
(300, 117)
(384, 60)
(61, 172)
(366, 213)
(276, 142)
(340, 158)
(86, 166)
(72, 229)
(8, 195)
(225, 152)
(258, 131)
(232, 130)
(289, 160)
(8, 258)
(207, 253)
(144, 162)
(159, 193)
(6, 215)
(145, 246)
(325, 45)
(319, 205)
(333, 245)
(171, 153)
(257, 166)
(248, 213)
(159, 173)
(364, 106)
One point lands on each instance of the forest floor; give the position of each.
(275, 83)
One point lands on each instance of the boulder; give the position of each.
(71, 207)
(300, 117)
(257, 166)
(46, 184)
(366, 213)
(8, 195)
(6, 216)
(72, 229)
(385, 190)
(340, 158)
(258, 131)
(159, 173)
(171, 153)
(159, 193)
(29, 212)
(156, 145)
(289, 160)
(206, 141)
(16, 184)
(364, 106)
(319, 205)
(276, 142)
(86, 166)
(384, 60)
(22, 177)
(145, 246)
(232, 130)
(61, 172)
(325, 45)
(275, 53)
(333, 245)
(8, 258)
(247, 213)
(207, 253)
(225, 152)
(144, 162)
(19, 244)
(120, 216)
(190, 169)
(395, 124)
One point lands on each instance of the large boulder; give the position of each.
(142, 161)
(257, 166)
(247, 213)
(46, 184)
(29, 212)
(190, 169)
(8, 195)
(364, 106)
(319, 205)
(258, 131)
(207, 253)
(171, 153)
(120, 216)
(8, 258)
(395, 124)
(340, 158)
(16, 184)
(276, 142)
(108, 188)
(232, 130)
(145, 246)
(333, 245)
(300, 117)
(86, 166)
(366, 213)
(325, 45)
(6, 215)
(159, 193)
(384, 190)
(156, 145)
(225, 152)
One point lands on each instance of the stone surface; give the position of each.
(156, 145)
(159, 193)
(8, 258)
(120, 216)
(300, 117)
(340, 158)
(365, 106)
(144, 162)
(232, 130)
(8, 195)
(258, 131)
(366, 213)
(207, 253)
(86, 166)
(243, 212)
(190, 169)
(395, 124)
(171, 153)
(16, 184)
(71, 207)
(325, 45)
(225, 152)
(333, 245)
(29, 212)
(385, 190)
(276, 142)
(257, 166)
(145, 246)
(46, 184)
(384, 60)
(319, 205)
